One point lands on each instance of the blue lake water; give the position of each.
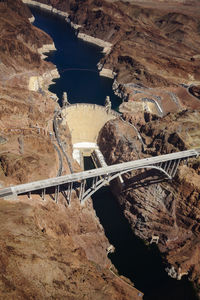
(76, 62)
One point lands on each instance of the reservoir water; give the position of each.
(76, 62)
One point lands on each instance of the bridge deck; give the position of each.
(75, 177)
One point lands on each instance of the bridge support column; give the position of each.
(69, 192)
(57, 193)
(94, 182)
(106, 179)
(164, 166)
(160, 165)
(176, 167)
(43, 194)
(168, 167)
(29, 195)
(172, 169)
(82, 190)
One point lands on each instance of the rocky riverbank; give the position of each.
(48, 250)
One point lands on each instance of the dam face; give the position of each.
(85, 121)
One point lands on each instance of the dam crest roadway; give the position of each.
(85, 122)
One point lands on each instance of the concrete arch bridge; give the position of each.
(166, 165)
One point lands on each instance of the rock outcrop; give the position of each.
(49, 251)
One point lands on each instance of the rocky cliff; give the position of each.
(169, 210)
(25, 115)
(48, 250)
(19, 36)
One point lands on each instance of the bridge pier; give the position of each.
(82, 190)
(94, 182)
(168, 167)
(57, 188)
(69, 192)
(176, 167)
(165, 166)
(43, 194)
(29, 195)
(172, 168)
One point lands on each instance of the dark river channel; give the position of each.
(76, 62)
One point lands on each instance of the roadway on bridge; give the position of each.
(76, 177)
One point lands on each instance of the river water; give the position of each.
(76, 62)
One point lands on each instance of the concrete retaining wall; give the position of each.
(86, 120)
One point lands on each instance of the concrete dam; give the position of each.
(85, 122)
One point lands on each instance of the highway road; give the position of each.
(108, 170)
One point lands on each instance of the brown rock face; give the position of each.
(41, 258)
(18, 7)
(167, 209)
(25, 116)
(27, 152)
(19, 36)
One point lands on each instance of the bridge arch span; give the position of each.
(103, 181)
(166, 163)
